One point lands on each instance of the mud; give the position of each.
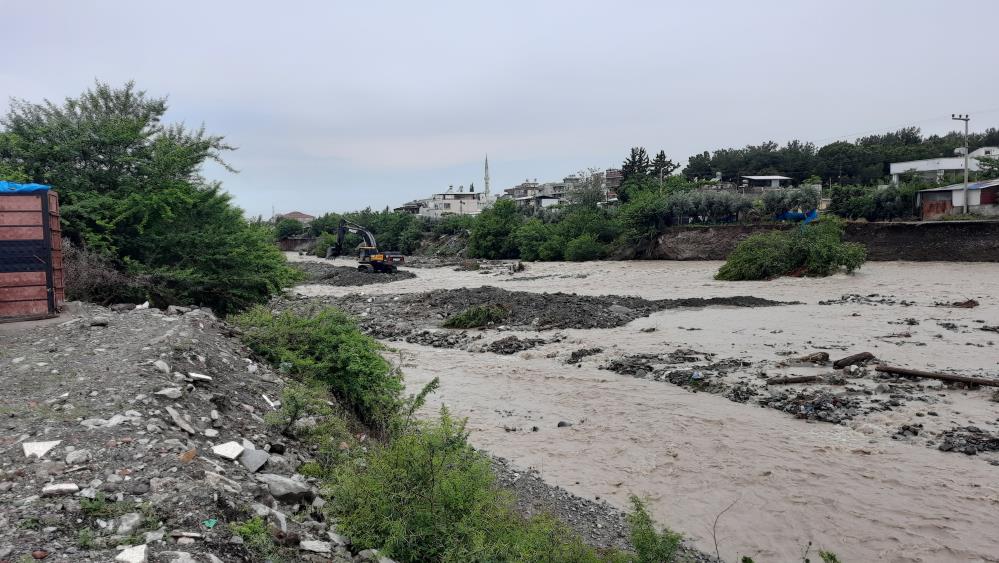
(329, 274)
(850, 462)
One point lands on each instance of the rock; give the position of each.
(162, 366)
(122, 307)
(170, 392)
(198, 376)
(337, 539)
(128, 523)
(619, 310)
(6, 486)
(179, 421)
(211, 433)
(60, 489)
(285, 489)
(77, 457)
(176, 310)
(177, 557)
(316, 546)
(253, 460)
(38, 449)
(134, 554)
(228, 450)
(152, 537)
(99, 321)
(564, 424)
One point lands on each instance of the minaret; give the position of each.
(486, 191)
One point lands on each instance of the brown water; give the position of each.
(849, 489)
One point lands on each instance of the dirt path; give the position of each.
(850, 488)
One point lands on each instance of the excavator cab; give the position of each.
(369, 258)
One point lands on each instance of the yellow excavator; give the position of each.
(369, 258)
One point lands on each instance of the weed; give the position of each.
(651, 546)
(298, 400)
(100, 507)
(85, 539)
(256, 537)
(30, 523)
(477, 316)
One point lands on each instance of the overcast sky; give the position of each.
(341, 105)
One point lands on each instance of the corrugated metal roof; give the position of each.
(766, 177)
(971, 186)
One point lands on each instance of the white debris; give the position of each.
(228, 450)
(38, 449)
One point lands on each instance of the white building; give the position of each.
(934, 168)
(455, 202)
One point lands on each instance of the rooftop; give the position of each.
(971, 186)
(766, 177)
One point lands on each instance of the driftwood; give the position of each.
(854, 359)
(816, 357)
(794, 379)
(941, 376)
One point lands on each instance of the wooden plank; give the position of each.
(20, 218)
(21, 233)
(57, 242)
(53, 203)
(27, 293)
(54, 223)
(21, 203)
(57, 279)
(21, 279)
(23, 308)
(56, 260)
(941, 376)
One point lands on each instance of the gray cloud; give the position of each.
(339, 105)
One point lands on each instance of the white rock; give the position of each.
(77, 457)
(316, 546)
(59, 489)
(179, 421)
(134, 554)
(162, 366)
(128, 523)
(228, 450)
(211, 432)
(170, 392)
(39, 449)
(198, 376)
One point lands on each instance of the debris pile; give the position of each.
(328, 274)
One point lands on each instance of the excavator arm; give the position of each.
(341, 233)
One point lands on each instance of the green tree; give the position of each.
(988, 167)
(492, 235)
(662, 167)
(288, 227)
(636, 165)
(699, 166)
(130, 188)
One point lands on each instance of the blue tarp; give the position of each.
(14, 187)
(798, 216)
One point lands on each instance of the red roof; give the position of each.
(297, 215)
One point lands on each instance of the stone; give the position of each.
(60, 489)
(179, 421)
(198, 376)
(152, 537)
(177, 557)
(161, 366)
(99, 321)
(285, 489)
(170, 392)
(77, 457)
(6, 486)
(38, 449)
(134, 554)
(564, 424)
(176, 310)
(338, 539)
(253, 460)
(316, 546)
(228, 450)
(211, 433)
(128, 523)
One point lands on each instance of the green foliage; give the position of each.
(287, 228)
(85, 539)
(298, 400)
(815, 249)
(875, 204)
(330, 349)
(531, 236)
(256, 537)
(130, 188)
(429, 496)
(988, 167)
(828, 557)
(584, 247)
(651, 545)
(802, 199)
(323, 242)
(493, 232)
(477, 316)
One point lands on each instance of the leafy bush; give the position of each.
(651, 545)
(815, 249)
(493, 232)
(328, 348)
(287, 228)
(298, 400)
(875, 204)
(131, 190)
(323, 242)
(530, 237)
(429, 496)
(584, 247)
(477, 316)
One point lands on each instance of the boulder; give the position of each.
(285, 489)
(253, 460)
(77, 457)
(228, 450)
(162, 366)
(134, 554)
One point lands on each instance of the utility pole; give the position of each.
(965, 119)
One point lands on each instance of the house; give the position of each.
(764, 183)
(533, 194)
(983, 199)
(933, 169)
(452, 202)
(303, 218)
(412, 207)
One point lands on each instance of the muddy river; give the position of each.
(858, 488)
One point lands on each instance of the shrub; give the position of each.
(429, 496)
(298, 400)
(650, 545)
(815, 249)
(584, 247)
(323, 243)
(493, 230)
(93, 277)
(530, 237)
(330, 349)
(477, 316)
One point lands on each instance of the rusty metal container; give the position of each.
(31, 272)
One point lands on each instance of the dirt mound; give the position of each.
(329, 274)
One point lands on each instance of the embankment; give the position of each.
(955, 241)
